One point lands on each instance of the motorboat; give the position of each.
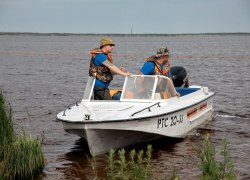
(149, 107)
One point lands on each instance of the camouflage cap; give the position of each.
(162, 52)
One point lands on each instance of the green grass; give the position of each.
(137, 165)
(6, 126)
(21, 156)
(132, 165)
(210, 167)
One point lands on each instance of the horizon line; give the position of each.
(122, 34)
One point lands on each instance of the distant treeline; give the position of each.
(114, 34)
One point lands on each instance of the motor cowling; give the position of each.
(179, 76)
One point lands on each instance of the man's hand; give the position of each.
(123, 69)
(128, 73)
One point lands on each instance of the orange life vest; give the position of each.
(157, 69)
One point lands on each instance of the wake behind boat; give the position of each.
(148, 109)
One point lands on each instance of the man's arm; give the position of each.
(114, 68)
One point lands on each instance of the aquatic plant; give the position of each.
(133, 165)
(111, 165)
(6, 126)
(21, 156)
(227, 165)
(136, 166)
(210, 167)
(93, 166)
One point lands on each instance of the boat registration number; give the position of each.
(169, 121)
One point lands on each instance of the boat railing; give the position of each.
(147, 108)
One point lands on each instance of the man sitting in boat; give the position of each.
(102, 67)
(158, 65)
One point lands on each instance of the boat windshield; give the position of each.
(139, 88)
(88, 93)
(145, 88)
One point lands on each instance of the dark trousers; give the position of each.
(101, 93)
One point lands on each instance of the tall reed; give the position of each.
(6, 126)
(21, 156)
(136, 166)
(210, 167)
(227, 165)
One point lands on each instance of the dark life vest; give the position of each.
(102, 72)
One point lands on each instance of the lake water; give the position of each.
(42, 75)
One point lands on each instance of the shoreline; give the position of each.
(120, 35)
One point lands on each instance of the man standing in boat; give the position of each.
(102, 67)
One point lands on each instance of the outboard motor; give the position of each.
(179, 76)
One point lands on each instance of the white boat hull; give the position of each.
(102, 136)
(131, 120)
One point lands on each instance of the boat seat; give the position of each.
(185, 91)
(115, 94)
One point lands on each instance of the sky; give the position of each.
(125, 16)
